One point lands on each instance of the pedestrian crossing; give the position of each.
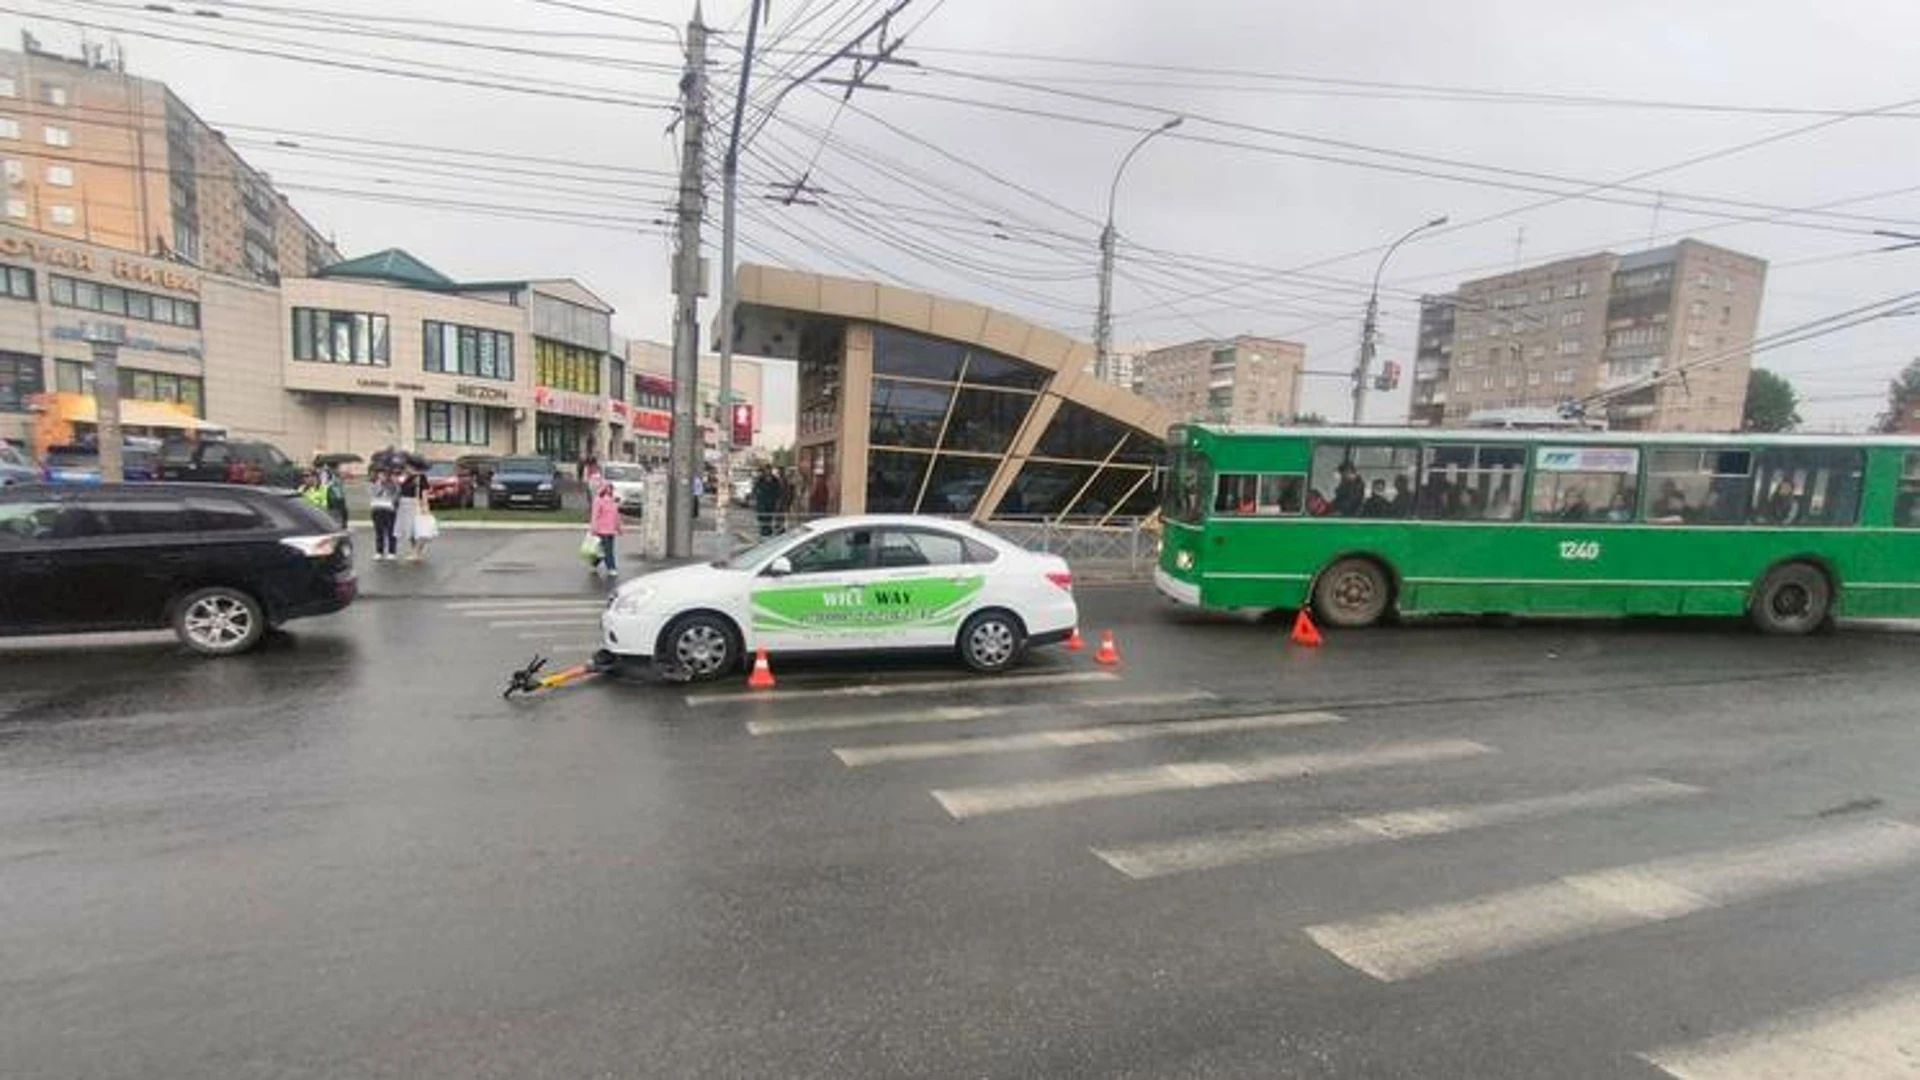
(1195, 745)
(560, 624)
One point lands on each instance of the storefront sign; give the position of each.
(413, 386)
(481, 393)
(654, 421)
(373, 384)
(567, 404)
(134, 342)
(68, 258)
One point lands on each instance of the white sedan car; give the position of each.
(629, 483)
(846, 584)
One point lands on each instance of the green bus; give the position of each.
(1360, 523)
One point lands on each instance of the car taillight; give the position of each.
(315, 547)
(1062, 578)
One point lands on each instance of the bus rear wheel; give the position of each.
(1352, 593)
(1793, 599)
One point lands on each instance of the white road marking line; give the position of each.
(889, 689)
(1869, 1036)
(1162, 858)
(531, 613)
(985, 799)
(1406, 945)
(549, 635)
(957, 714)
(489, 605)
(514, 624)
(855, 757)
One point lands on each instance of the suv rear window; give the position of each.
(222, 515)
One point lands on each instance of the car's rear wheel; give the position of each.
(219, 621)
(699, 646)
(1793, 599)
(1352, 593)
(992, 641)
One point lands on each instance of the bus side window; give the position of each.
(1906, 499)
(1585, 483)
(1259, 494)
(1807, 486)
(1697, 487)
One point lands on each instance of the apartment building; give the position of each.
(1595, 329)
(1244, 380)
(95, 155)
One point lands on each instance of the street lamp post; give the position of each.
(1103, 321)
(1369, 329)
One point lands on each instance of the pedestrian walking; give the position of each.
(386, 509)
(412, 508)
(789, 499)
(336, 494)
(604, 523)
(313, 491)
(766, 498)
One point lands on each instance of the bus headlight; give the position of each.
(1183, 560)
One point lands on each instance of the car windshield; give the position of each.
(525, 465)
(440, 470)
(622, 472)
(61, 457)
(758, 553)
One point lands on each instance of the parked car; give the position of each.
(81, 465)
(447, 486)
(847, 584)
(225, 461)
(530, 482)
(478, 467)
(629, 484)
(218, 564)
(16, 467)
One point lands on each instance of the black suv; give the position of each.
(226, 461)
(218, 564)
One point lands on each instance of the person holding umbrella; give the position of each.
(412, 513)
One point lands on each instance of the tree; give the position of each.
(1903, 393)
(1772, 403)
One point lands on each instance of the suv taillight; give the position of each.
(316, 547)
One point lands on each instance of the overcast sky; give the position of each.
(1002, 207)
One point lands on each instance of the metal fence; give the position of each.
(1118, 544)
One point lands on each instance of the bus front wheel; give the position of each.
(1792, 599)
(1352, 593)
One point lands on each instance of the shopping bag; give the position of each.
(589, 549)
(426, 527)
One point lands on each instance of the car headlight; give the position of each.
(631, 601)
(1183, 560)
(497, 486)
(546, 485)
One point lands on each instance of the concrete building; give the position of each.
(1245, 380)
(910, 402)
(1591, 329)
(652, 365)
(93, 154)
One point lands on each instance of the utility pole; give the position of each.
(684, 446)
(105, 339)
(1103, 318)
(729, 186)
(1370, 329)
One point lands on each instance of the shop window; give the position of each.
(1044, 489)
(452, 423)
(21, 377)
(957, 484)
(335, 337)
(991, 369)
(985, 421)
(907, 414)
(1585, 483)
(894, 480)
(898, 352)
(1109, 491)
(466, 350)
(1080, 433)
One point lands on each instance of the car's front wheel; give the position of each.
(992, 641)
(219, 621)
(699, 646)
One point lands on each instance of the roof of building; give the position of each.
(393, 265)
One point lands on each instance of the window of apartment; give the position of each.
(1726, 284)
(1545, 294)
(60, 175)
(566, 367)
(1563, 377)
(16, 171)
(17, 282)
(616, 379)
(1537, 352)
(62, 214)
(1496, 329)
(445, 422)
(9, 128)
(8, 89)
(20, 380)
(340, 337)
(1572, 318)
(76, 377)
(1533, 378)
(467, 350)
(53, 94)
(1697, 309)
(1693, 341)
(1463, 386)
(114, 300)
(1569, 346)
(1726, 314)
(17, 209)
(1486, 381)
(1493, 355)
(1568, 291)
(55, 135)
(1512, 380)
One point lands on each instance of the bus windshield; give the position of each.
(1188, 477)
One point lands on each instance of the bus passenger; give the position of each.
(1377, 505)
(1573, 505)
(1621, 508)
(1783, 506)
(1503, 507)
(1351, 493)
(1402, 504)
(1671, 507)
(1435, 496)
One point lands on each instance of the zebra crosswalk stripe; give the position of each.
(1405, 945)
(1868, 1036)
(855, 757)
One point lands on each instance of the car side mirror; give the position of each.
(779, 567)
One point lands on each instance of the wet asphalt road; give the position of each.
(347, 857)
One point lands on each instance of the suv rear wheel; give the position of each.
(219, 621)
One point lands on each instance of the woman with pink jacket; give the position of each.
(604, 523)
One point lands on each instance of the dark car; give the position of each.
(81, 465)
(447, 486)
(228, 461)
(16, 467)
(219, 564)
(478, 467)
(531, 482)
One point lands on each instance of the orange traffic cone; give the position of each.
(1074, 644)
(1304, 632)
(1107, 653)
(762, 677)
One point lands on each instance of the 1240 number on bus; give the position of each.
(1580, 550)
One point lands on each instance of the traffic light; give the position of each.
(1389, 377)
(743, 425)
